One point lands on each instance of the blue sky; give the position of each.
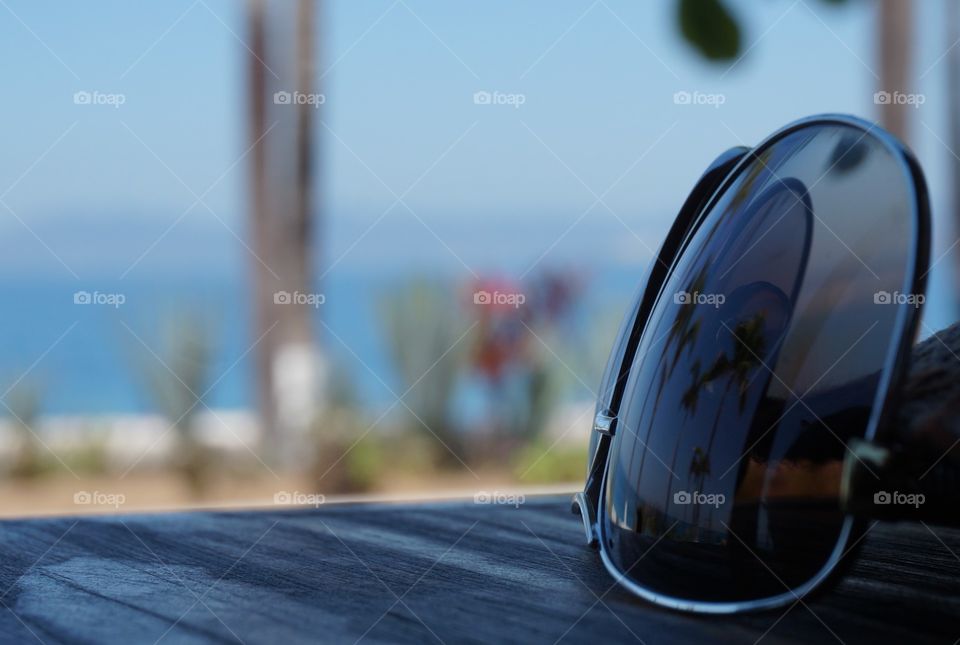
(98, 185)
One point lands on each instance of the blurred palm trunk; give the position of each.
(895, 26)
(288, 365)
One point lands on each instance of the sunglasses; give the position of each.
(743, 440)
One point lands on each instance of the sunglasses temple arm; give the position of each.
(585, 503)
(897, 484)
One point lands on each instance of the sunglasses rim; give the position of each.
(878, 426)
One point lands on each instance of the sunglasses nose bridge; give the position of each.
(583, 507)
(585, 503)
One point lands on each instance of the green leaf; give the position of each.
(710, 27)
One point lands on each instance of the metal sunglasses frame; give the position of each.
(881, 459)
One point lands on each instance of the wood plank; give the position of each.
(453, 572)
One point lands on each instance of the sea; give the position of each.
(97, 358)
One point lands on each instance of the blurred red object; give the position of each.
(510, 312)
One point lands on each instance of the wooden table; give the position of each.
(451, 572)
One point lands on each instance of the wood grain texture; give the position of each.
(453, 572)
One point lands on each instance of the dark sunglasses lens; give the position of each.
(763, 356)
